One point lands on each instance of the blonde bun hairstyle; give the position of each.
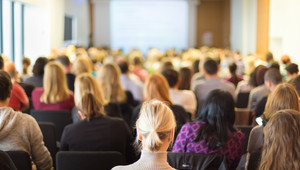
(154, 125)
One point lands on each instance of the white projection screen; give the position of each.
(144, 24)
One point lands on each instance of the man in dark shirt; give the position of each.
(65, 61)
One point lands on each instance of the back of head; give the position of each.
(275, 65)
(273, 75)
(123, 66)
(285, 59)
(166, 65)
(284, 96)
(26, 63)
(219, 116)
(260, 75)
(5, 85)
(11, 69)
(109, 80)
(172, 76)
(64, 60)
(82, 65)
(292, 68)
(269, 57)
(90, 106)
(185, 75)
(296, 83)
(154, 125)
(211, 66)
(86, 83)
(54, 84)
(157, 87)
(282, 141)
(39, 65)
(1, 62)
(196, 65)
(232, 67)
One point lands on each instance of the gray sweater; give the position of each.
(148, 161)
(20, 131)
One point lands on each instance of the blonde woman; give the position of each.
(82, 65)
(155, 131)
(281, 148)
(157, 87)
(284, 96)
(86, 83)
(55, 94)
(96, 131)
(109, 80)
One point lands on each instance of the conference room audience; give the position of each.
(26, 70)
(213, 131)
(185, 76)
(97, 132)
(155, 131)
(86, 83)
(234, 77)
(109, 80)
(38, 72)
(67, 66)
(291, 71)
(184, 98)
(18, 98)
(20, 131)
(54, 95)
(82, 65)
(284, 97)
(211, 82)
(129, 81)
(281, 142)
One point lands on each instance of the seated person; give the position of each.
(155, 128)
(38, 72)
(18, 98)
(213, 132)
(65, 61)
(234, 78)
(20, 131)
(55, 94)
(96, 131)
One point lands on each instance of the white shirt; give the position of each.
(184, 98)
(132, 83)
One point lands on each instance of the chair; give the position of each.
(244, 117)
(197, 161)
(58, 117)
(246, 130)
(21, 159)
(242, 100)
(254, 160)
(82, 160)
(48, 131)
(5, 162)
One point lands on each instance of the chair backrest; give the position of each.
(246, 130)
(242, 100)
(197, 161)
(21, 159)
(244, 117)
(58, 117)
(49, 134)
(254, 160)
(6, 162)
(82, 160)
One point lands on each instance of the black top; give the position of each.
(260, 107)
(37, 81)
(6, 162)
(99, 134)
(70, 81)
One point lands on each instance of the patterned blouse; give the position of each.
(188, 133)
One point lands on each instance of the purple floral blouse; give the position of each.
(188, 133)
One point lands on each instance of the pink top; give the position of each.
(141, 73)
(18, 98)
(38, 105)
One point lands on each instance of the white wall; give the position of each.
(284, 32)
(243, 25)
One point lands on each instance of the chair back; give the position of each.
(244, 117)
(242, 100)
(82, 160)
(60, 118)
(5, 162)
(254, 160)
(21, 159)
(49, 137)
(190, 161)
(246, 130)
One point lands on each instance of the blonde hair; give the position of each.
(282, 141)
(82, 65)
(86, 83)
(284, 96)
(109, 80)
(157, 87)
(155, 123)
(55, 84)
(90, 106)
